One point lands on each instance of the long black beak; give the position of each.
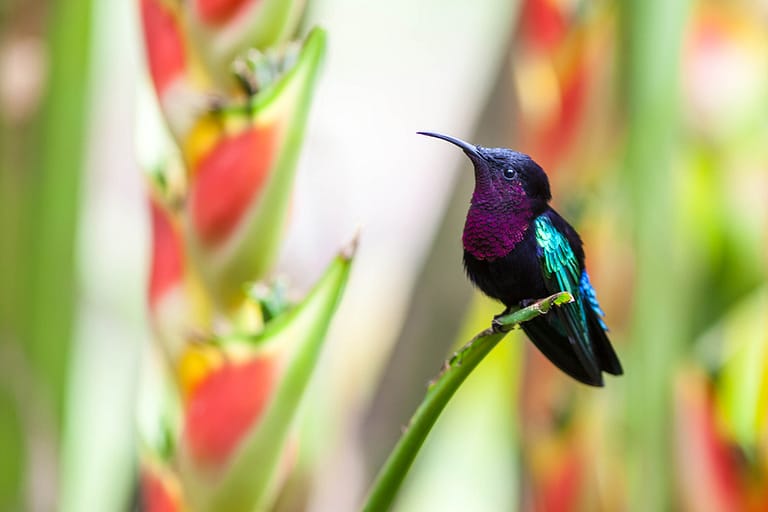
(469, 149)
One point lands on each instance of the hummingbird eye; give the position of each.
(509, 174)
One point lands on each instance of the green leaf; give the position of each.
(391, 476)
(249, 477)
(657, 328)
(12, 464)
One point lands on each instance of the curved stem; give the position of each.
(458, 368)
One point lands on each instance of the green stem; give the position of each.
(41, 162)
(660, 311)
(440, 391)
(53, 201)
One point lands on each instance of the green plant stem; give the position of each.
(53, 202)
(41, 161)
(654, 32)
(456, 370)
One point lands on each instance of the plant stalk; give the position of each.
(455, 371)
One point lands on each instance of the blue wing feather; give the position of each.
(589, 295)
(561, 271)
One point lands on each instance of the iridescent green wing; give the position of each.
(561, 272)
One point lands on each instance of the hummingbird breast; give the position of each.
(513, 277)
(490, 234)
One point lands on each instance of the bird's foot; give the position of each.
(497, 325)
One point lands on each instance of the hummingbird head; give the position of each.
(504, 179)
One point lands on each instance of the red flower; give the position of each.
(543, 23)
(708, 470)
(560, 489)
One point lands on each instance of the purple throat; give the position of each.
(490, 234)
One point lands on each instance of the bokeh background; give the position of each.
(651, 119)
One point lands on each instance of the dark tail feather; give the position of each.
(606, 356)
(557, 349)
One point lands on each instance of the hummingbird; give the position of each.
(517, 248)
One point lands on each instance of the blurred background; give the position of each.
(651, 119)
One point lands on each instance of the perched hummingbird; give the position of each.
(517, 249)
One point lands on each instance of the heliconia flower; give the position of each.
(239, 124)
(222, 29)
(556, 68)
(708, 469)
(176, 308)
(550, 131)
(558, 476)
(562, 443)
(560, 487)
(544, 23)
(721, 423)
(241, 398)
(241, 161)
(160, 490)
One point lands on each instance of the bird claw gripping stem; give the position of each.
(498, 325)
(501, 322)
